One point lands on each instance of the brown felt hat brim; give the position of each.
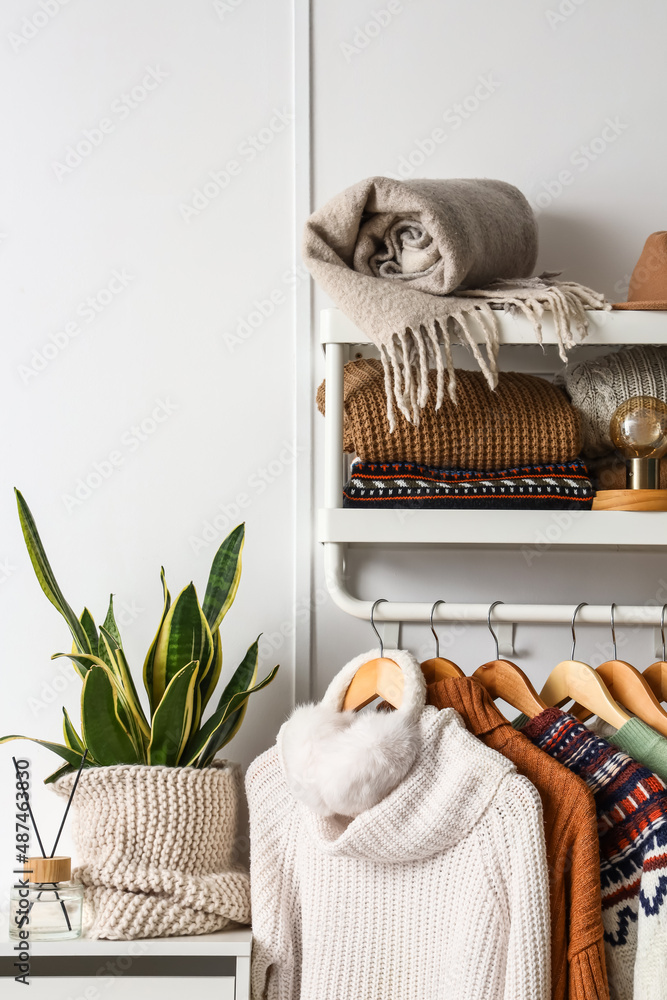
(642, 306)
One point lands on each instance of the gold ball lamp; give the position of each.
(638, 430)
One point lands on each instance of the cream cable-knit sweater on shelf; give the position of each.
(438, 891)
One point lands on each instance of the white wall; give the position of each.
(222, 73)
(228, 66)
(546, 83)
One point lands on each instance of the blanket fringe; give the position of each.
(567, 301)
(411, 353)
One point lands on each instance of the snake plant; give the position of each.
(181, 672)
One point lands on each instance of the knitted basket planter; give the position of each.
(156, 848)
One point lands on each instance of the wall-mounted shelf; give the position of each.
(615, 327)
(338, 528)
(497, 528)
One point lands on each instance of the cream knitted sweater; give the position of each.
(438, 891)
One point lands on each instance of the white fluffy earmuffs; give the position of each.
(343, 763)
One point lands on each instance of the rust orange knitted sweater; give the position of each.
(525, 421)
(578, 969)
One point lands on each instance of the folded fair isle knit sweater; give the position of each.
(563, 486)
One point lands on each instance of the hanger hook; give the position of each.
(381, 600)
(488, 623)
(613, 629)
(662, 629)
(435, 634)
(578, 608)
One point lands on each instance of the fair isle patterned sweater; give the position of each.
(632, 818)
(565, 486)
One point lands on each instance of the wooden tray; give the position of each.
(630, 500)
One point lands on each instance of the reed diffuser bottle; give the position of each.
(50, 905)
(46, 905)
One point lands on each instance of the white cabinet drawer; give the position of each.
(201, 967)
(122, 988)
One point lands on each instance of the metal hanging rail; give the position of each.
(511, 614)
(592, 529)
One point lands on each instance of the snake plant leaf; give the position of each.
(110, 624)
(243, 678)
(224, 735)
(208, 685)
(173, 717)
(136, 726)
(71, 756)
(130, 693)
(103, 732)
(223, 581)
(72, 738)
(184, 637)
(45, 575)
(233, 721)
(207, 648)
(105, 649)
(209, 664)
(245, 674)
(82, 661)
(62, 771)
(67, 769)
(234, 717)
(230, 720)
(129, 707)
(150, 656)
(88, 626)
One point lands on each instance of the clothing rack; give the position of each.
(339, 528)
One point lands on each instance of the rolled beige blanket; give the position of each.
(526, 421)
(417, 264)
(437, 236)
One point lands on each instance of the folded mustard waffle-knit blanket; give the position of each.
(417, 263)
(525, 421)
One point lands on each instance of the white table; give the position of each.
(216, 965)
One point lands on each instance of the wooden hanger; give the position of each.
(656, 674)
(503, 679)
(378, 678)
(627, 685)
(572, 680)
(438, 667)
(656, 677)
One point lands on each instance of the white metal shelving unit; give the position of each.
(339, 528)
